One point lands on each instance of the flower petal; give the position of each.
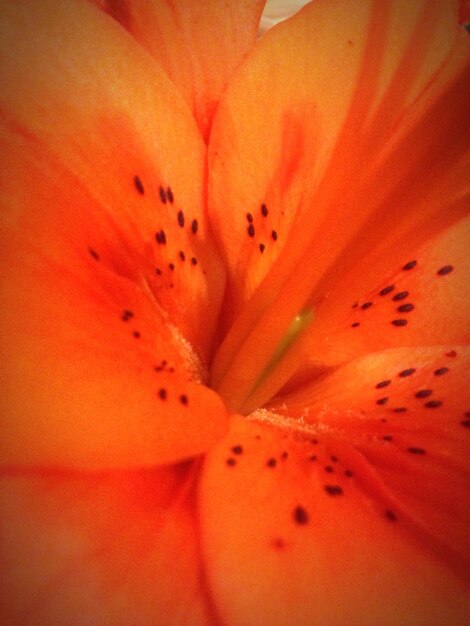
(107, 549)
(406, 411)
(422, 299)
(199, 44)
(94, 319)
(368, 151)
(284, 157)
(293, 533)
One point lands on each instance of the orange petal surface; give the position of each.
(100, 549)
(105, 247)
(422, 299)
(385, 138)
(406, 413)
(298, 528)
(199, 44)
(310, 118)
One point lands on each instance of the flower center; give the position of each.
(253, 376)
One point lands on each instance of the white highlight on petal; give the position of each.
(277, 11)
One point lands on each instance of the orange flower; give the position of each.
(235, 314)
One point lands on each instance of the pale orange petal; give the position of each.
(199, 44)
(298, 529)
(100, 549)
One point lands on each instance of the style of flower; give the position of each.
(235, 314)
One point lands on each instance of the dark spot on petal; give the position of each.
(139, 185)
(158, 271)
(381, 401)
(184, 399)
(171, 266)
(433, 404)
(264, 210)
(410, 265)
(231, 461)
(452, 353)
(160, 237)
(355, 305)
(387, 438)
(237, 449)
(312, 458)
(136, 334)
(447, 269)
(251, 230)
(333, 490)
(162, 193)
(401, 295)
(465, 423)
(386, 290)
(193, 261)
(194, 226)
(262, 247)
(440, 371)
(382, 384)
(399, 322)
(390, 515)
(180, 217)
(366, 305)
(271, 462)
(423, 393)
(94, 254)
(284, 455)
(414, 450)
(127, 315)
(407, 372)
(249, 217)
(300, 515)
(348, 473)
(329, 469)
(182, 255)
(274, 235)
(355, 324)
(334, 458)
(169, 195)
(405, 308)
(400, 409)
(162, 393)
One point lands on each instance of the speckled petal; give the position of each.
(406, 412)
(298, 527)
(343, 163)
(104, 248)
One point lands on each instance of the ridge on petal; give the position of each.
(198, 44)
